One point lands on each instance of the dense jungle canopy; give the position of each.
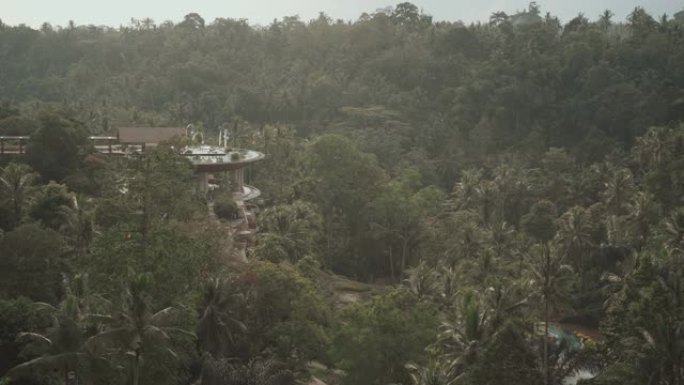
(438, 200)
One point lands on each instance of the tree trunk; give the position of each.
(581, 271)
(328, 237)
(145, 209)
(404, 246)
(17, 211)
(391, 263)
(546, 342)
(547, 278)
(136, 368)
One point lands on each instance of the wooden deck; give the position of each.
(16, 145)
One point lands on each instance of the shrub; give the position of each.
(225, 207)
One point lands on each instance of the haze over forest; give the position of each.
(392, 199)
(263, 12)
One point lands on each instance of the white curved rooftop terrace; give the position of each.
(205, 154)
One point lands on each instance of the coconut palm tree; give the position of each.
(423, 281)
(672, 231)
(643, 213)
(645, 326)
(574, 237)
(467, 192)
(547, 271)
(16, 181)
(514, 186)
(503, 302)
(651, 148)
(464, 237)
(618, 191)
(135, 327)
(217, 321)
(256, 372)
(434, 374)
(62, 347)
(461, 342)
(79, 225)
(659, 352)
(295, 227)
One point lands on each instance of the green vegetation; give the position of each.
(437, 201)
(225, 207)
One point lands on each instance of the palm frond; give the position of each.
(45, 363)
(33, 337)
(164, 317)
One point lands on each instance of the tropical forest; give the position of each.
(389, 200)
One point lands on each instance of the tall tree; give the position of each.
(218, 320)
(16, 186)
(135, 328)
(59, 145)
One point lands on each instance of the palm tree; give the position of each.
(297, 227)
(503, 302)
(672, 231)
(460, 343)
(217, 321)
(648, 346)
(547, 270)
(448, 280)
(652, 147)
(618, 191)
(62, 347)
(467, 192)
(256, 372)
(133, 328)
(464, 237)
(423, 281)
(497, 18)
(475, 193)
(434, 374)
(605, 19)
(643, 213)
(659, 352)
(78, 226)
(16, 181)
(575, 237)
(503, 239)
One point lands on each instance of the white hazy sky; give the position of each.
(117, 12)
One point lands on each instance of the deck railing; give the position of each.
(13, 145)
(16, 145)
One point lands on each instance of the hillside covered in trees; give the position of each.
(440, 202)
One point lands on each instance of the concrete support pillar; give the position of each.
(203, 179)
(236, 180)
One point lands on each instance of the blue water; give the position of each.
(569, 337)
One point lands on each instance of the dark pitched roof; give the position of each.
(150, 135)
